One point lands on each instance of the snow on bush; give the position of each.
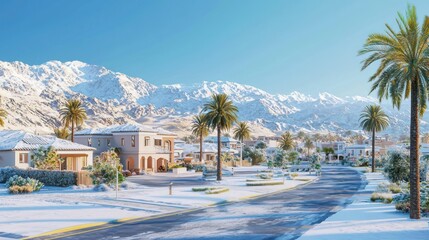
(210, 190)
(382, 197)
(103, 188)
(264, 183)
(106, 167)
(17, 184)
(402, 200)
(49, 178)
(217, 190)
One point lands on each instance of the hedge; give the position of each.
(216, 190)
(47, 177)
(264, 183)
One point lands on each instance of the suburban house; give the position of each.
(16, 148)
(361, 150)
(140, 146)
(226, 142)
(183, 150)
(339, 148)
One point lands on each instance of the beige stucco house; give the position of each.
(140, 146)
(16, 148)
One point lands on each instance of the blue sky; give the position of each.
(279, 46)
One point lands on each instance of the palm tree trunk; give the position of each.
(219, 161)
(72, 132)
(241, 153)
(414, 154)
(201, 147)
(373, 151)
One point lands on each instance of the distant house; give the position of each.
(209, 152)
(16, 148)
(361, 150)
(140, 146)
(226, 142)
(339, 148)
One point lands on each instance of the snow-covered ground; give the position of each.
(54, 208)
(367, 220)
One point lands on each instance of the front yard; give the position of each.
(54, 207)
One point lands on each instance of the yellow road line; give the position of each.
(68, 229)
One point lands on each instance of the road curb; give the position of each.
(90, 227)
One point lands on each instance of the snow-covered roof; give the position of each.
(207, 148)
(135, 127)
(20, 140)
(222, 139)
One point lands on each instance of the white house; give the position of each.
(16, 148)
(361, 150)
(141, 146)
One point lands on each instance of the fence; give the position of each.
(83, 178)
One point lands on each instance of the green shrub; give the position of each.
(394, 188)
(176, 166)
(47, 177)
(17, 184)
(397, 167)
(265, 175)
(216, 190)
(381, 197)
(105, 168)
(46, 158)
(202, 189)
(264, 183)
(257, 180)
(402, 200)
(294, 175)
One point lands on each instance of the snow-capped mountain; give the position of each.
(33, 94)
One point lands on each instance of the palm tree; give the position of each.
(403, 73)
(73, 114)
(309, 145)
(200, 130)
(3, 115)
(286, 141)
(62, 133)
(373, 119)
(301, 135)
(242, 132)
(220, 114)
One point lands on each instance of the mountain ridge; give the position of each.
(32, 95)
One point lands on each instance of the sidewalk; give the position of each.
(367, 220)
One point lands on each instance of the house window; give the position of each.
(108, 142)
(158, 142)
(23, 158)
(122, 142)
(85, 163)
(99, 142)
(133, 141)
(89, 142)
(146, 141)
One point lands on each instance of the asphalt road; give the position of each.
(285, 215)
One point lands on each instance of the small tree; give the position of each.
(257, 157)
(46, 158)
(292, 156)
(261, 145)
(280, 158)
(103, 171)
(398, 167)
